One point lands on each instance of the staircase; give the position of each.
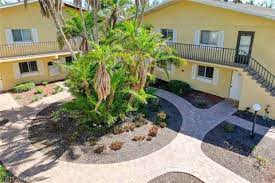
(262, 76)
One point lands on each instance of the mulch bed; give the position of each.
(250, 117)
(56, 142)
(176, 177)
(197, 98)
(31, 96)
(251, 158)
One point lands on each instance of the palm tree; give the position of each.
(52, 8)
(80, 25)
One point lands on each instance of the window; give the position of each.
(167, 34)
(206, 72)
(22, 35)
(27, 67)
(209, 38)
(69, 59)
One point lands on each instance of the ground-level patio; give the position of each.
(183, 154)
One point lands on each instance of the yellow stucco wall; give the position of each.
(252, 93)
(187, 17)
(9, 79)
(26, 18)
(21, 17)
(184, 73)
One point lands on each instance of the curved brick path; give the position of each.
(183, 154)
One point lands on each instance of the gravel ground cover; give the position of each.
(232, 147)
(250, 117)
(57, 141)
(176, 177)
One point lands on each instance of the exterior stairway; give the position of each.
(265, 79)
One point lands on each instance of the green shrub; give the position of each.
(24, 87)
(57, 89)
(45, 83)
(38, 90)
(161, 117)
(201, 103)
(35, 98)
(179, 87)
(229, 128)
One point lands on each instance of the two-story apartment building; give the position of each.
(28, 46)
(229, 48)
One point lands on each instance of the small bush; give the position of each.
(201, 103)
(129, 127)
(38, 90)
(57, 89)
(45, 83)
(261, 161)
(229, 128)
(140, 120)
(24, 87)
(56, 115)
(138, 138)
(179, 87)
(162, 117)
(153, 131)
(118, 130)
(100, 148)
(92, 141)
(117, 145)
(35, 98)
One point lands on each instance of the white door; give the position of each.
(236, 86)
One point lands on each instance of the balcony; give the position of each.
(217, 55)
(33, 48)
(228, 57)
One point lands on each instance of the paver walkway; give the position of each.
(183, 154)
(262, 130)
(7, 102)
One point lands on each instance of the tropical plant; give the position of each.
(109, 81)
(76, 27)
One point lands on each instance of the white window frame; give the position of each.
(220, 38)
(173, 33)
(204, 44)
(29, 73)
(205, 68)
(21, 32)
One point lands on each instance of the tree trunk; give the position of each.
(95, 29)
(83, 24)
(59, 27)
